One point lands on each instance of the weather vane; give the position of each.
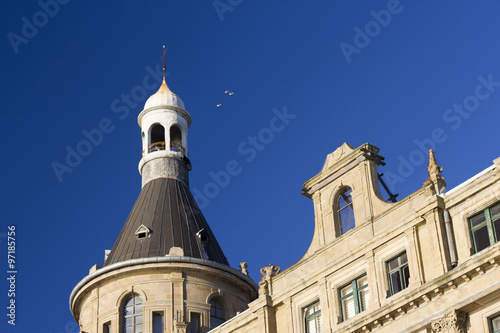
(163, 57)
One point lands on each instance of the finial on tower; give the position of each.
(163, 57)
(435, 180)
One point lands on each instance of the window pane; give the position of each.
(312, 318)
(406, 276)
(477, 220)
(362, 281)
(128, 321)
(393, 264)
(157, 322)
(128, 329)
(364, 298)
(496, 226)
(138, 319)
(403, 259)
(481, 238)
(347, 219)
(396, 282)
(138, 308)
(346, 290)
(194, 325)
(311, 325)
(495, 322)
(138, 328)
(128, 310)
(495, 210)
(348, 308)
(345, 199)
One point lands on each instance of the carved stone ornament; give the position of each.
(453, 322)
(263, 289)
(434, 184)
(265, 284)
(269, 271)
(243, 268)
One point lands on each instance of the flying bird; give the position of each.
(231, 93)
(218, 105)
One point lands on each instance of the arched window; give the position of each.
(157, 138)
(175, 139)
(345, 212)
(132, 314)
(217, 312)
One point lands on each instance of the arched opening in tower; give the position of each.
(157, 138)
(176, 139)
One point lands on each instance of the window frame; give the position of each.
(488, 222)
(490, 323)
(134, 315)
(218, 301)
(338, 209)
(400, 269)
(355, 295)
(317, 311)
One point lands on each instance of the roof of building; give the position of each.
(164, 97)
(165, 216)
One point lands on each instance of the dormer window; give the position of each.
(345, 211)
(142, 232)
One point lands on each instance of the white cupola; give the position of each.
(164, 126)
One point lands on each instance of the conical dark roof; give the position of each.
(168, 209)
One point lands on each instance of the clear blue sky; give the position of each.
(392, 74)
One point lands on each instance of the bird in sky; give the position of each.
(218, 105)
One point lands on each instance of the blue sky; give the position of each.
(401, 75)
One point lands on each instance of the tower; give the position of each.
(166, 271)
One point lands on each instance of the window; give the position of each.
(345, 213)
(398, 273)
(195, 324)
(485, 228)
(495, 324)
(106, 328)
(132, 315)
(354, 297)
(158, 322)
(217, 312)
(312, 318)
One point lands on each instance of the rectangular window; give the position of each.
(485, 228)
(354, 297)
(158, 326)
(195, 324)
(398, 273)
(312, 318)
(106, 328)
(495, 324)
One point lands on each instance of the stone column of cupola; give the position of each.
(164, 126)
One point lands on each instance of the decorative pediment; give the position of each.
(337, 155)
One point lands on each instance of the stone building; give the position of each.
(426, 263)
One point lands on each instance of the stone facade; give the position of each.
(452, 286)
(166, 164)
(176, 287)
